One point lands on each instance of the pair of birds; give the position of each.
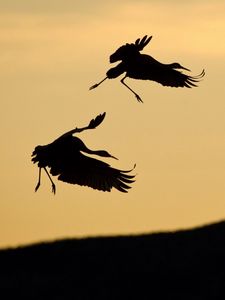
(65, 156)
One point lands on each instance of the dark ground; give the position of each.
(179, 265)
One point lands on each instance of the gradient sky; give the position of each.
(51, 53)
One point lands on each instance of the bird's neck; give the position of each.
(94, 152)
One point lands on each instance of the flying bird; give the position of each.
(65, 157)
(145, 67)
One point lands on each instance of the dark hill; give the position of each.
(181, 265)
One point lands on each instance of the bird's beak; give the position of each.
(185, 68)
(114, 157)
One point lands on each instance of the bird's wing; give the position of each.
(175, 78)
(91, 172)
(148, 68)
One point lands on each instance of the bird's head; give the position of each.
(104, 153)
(178, 66)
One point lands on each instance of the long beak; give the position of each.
(185, 68)
(114, 157)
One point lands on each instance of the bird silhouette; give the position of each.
(66, 159)
(145, 67)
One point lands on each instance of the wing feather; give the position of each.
(91, 172)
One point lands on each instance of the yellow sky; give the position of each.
(50, 54)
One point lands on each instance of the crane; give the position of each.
(66, 159)
(145, 67)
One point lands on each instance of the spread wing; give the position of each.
(147, 68)
(175, 78)
(91, 172)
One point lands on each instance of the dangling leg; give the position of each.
(53, 185)
(97, 84)
(136, 95)
(39, 180)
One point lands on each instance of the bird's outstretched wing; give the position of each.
(175, 78)
(93, 173)
(141, 43)
(97, 121)
(147, 68)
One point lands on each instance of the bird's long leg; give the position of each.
(53, 185)
(136, 95)
(97, 84)
(39, 180)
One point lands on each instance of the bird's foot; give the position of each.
(37, 186)
(138, 98)
(53, 188)
(93, 86)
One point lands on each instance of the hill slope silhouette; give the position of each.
(187, 264)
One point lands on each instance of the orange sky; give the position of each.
(51, 53)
